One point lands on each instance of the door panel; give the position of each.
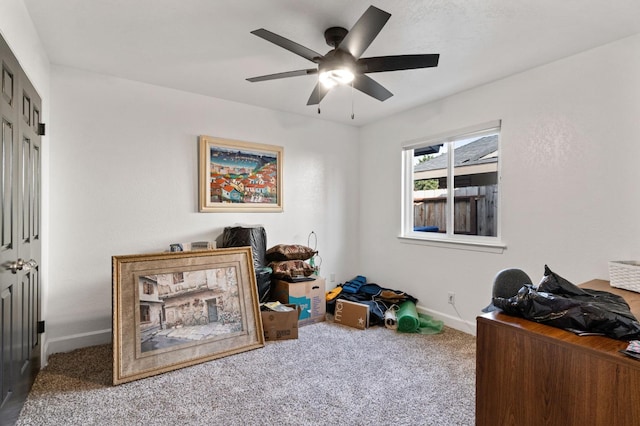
(36, 194)
(20, 109)
(6, 367)
(6, 188)
(23, 343)
(25, 193)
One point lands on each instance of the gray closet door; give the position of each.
(20, 238)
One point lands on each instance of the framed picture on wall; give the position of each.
(239, 176)
(176, 309)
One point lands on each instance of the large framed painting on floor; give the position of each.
(173, 310)
(239, 176)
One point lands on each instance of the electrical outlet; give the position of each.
(451, 298)
(332, 278)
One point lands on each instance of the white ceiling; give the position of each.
(205, 46)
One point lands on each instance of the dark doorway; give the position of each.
(212, 308)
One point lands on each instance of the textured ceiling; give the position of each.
(205, 46)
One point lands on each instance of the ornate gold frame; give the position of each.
(226, 282)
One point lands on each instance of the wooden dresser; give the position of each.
(533, 374)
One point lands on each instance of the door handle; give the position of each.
(16, 266)
(29, 264)
(21, 265)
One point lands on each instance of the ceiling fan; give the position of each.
(343, 64)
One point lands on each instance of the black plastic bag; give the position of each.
(263, 280)
(254, 237)
(559, 303)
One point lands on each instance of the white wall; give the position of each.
(124, 180)
(18, 31)
(570, 157)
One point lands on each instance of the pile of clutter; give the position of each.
(295, 263)
(392, 308)
(281, 262)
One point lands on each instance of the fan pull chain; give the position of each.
(352, 114)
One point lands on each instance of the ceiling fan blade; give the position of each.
(319, 92)
(283, 75)
(397, 63)
(367, 85)
(291, 46)
(364, 31)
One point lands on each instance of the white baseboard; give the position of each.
(75, 341)
(450, 321)
(101, 337)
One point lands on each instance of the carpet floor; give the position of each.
(331, 374)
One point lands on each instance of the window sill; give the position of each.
(458, 244)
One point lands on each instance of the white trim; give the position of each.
(406, 191)
(75, 341)
(486, 246)
(458, 323)
(449, 210)
(476, 130)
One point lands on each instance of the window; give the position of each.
(147, 288)
(451, 187)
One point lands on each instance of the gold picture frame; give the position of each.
(236, 176)
(176, 309)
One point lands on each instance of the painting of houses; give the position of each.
(237, 174)
(181, 307)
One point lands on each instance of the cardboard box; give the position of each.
(280, 325)
(309, 295)
(353, 314)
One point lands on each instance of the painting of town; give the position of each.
(176, 309)
(184, 307)
(238, 175)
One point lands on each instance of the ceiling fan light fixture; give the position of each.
(343, 64)
(331, 78)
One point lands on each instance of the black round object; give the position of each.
(334, 36)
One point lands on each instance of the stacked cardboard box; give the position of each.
(280, 325)
(309, 295)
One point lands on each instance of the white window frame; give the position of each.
(451, 240)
